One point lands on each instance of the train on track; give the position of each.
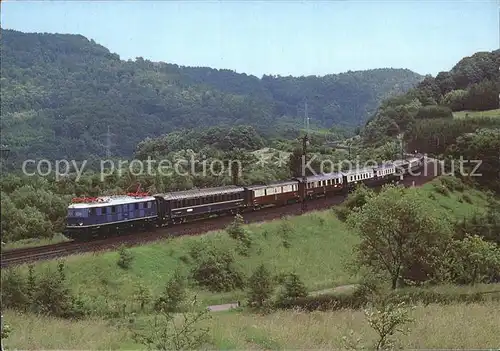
(101, 217)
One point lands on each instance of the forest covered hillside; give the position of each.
(426, 111)
(60, 93)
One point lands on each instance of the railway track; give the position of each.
(47, 252)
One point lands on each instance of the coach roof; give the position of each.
(194, 193)
(112, 200)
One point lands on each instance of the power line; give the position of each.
(305, 141)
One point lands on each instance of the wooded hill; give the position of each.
(60, 93)
(472, 84)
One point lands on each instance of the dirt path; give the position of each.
(225, 307)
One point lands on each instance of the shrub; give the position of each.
(166, 332)
(387, 319)
(49, 294)
(434, 112)
(142, 296)
(467, 198)
(215, 269)
(284, 231)
(293, 288)
(453, 183)
(237, 232)
(354, 201)
(173, 295)
(14, 290)
(441, 189)
(125, 258)
(473, 260)
(260, 287)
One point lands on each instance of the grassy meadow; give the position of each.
(319, 251)
(455, 326)
(475, 114)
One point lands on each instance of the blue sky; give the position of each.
(274, 37)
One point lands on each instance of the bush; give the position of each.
(473, 260)
(453, 183)
(434, 112)
(215, 269)
(237, 232)
(142, 296)
(260, 287)
(363, 295)
(354, 201)
(47, 295)
(173, 295)
(293, 288)
(441, 189)
(327, 302)
(466, 198)
(426, 297)
(125, 258)
(284, 231)
(14, 290)
(387, 319)
(167, 332)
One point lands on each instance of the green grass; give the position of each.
(455, 326)
(57, 238)
(321, 247)
(453, 206)
(475, 114)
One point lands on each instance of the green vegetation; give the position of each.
(425, 113)
(156, 288)
(457, 326)
(476, 114)
(61, 92)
